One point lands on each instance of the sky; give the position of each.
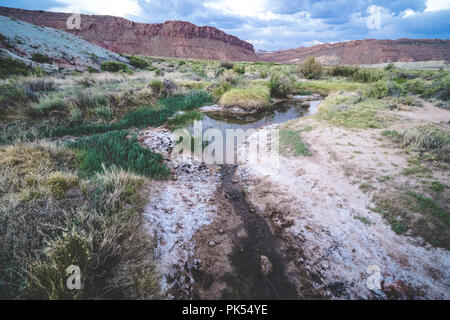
(278, 24)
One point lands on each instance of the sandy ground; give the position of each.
(313, 207)
(320, 197)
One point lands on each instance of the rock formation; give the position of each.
(169, 39)
(368, 51)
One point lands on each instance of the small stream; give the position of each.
(247, 282)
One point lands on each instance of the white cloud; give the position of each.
(436, 5)
(119, 8)
(408, 12)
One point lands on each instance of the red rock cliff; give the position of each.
(170, 39)
(368, 51)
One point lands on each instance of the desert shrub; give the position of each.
(91, 69)
(116, 148)
(280, 85)
(159, 73)
(142, 117)
(230, 76)
(416, 86)
(249, 99)
(427, 140)
(218, 89)
(368, 75)
(40, 58)
(263, 73)
(310, 68)
(40, 84)
(156, 85)
(115, 66)
(239, 69)
(226, 65)
(138, 62)
(49, 104)
(343, 71)
(11, 67)
(88, 99)
(389, 67)
(100, 229)
(15, 95)
(385, 88)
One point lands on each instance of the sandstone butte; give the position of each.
(169, 39)
(185, 40)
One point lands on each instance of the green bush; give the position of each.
(343, 71)
(115, 66)
(239, 69)
(367, 75)
(92, 70)
(156, 85)
(416, 86)
(49, 104)
(385, 88)
(310, 68)
(116, 148)
(226, 65)
(40, 58)
(138, 62)
(11, 67)
(280, 85)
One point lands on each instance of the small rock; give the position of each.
(221, 231)
(235, 180)
(266, 266)
(212, 244)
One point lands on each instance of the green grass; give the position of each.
(98, 228)
(327, 86)
(427, 206)
(351, 112)
(430, 142)
(292, 140)
(142, 117)
(249, 99)
(115, 148)
(184, 119)
(11, 67)
(364, 220)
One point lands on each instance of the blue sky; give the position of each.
(278, 24)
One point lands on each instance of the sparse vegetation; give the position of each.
(292, 141)
(41, 58)
(429, 141)
(94, 224)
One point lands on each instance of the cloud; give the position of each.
(107, 7)
(278, 24)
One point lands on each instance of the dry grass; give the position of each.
(50, 219)
(249, 99)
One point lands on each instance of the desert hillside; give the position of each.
(369, 51)
(169, 39)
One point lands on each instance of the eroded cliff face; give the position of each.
(368, 51)
(170, 39)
